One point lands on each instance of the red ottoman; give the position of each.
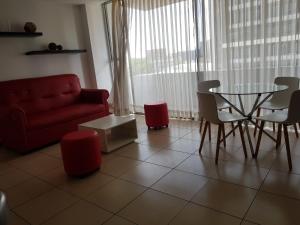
(156, 115)
(81, 152)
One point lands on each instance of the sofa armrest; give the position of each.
(13, 124)
(99, 96)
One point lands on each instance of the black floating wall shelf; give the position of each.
(47, 52)
(20, 34)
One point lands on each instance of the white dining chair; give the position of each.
(284, 119)
(3, 209)
(204, 87)
(280, 100)
(209, 110)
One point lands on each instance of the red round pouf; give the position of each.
(156, 115)
(81, 152)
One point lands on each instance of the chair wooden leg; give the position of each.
(232, 124)
(296, 130)
(259, 138)
(224, 139)
(279, 132)
(201, 124)
(203, 136)
(256, 123)
(209, 131)
(242, 139)
(287, 145)
(273, 123)
(218, 142)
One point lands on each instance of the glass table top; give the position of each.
(248, 89)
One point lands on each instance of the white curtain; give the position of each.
(162, 55)
(249, 40)
(120, 91)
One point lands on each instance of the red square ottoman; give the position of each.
(156, 115)
(81, 152)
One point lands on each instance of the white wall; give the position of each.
(60, 23)
(98, 44)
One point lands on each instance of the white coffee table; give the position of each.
(114, 131)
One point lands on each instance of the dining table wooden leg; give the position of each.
(218, 142)
(273, 122)
(201, 124)
(232, 124)
(242, 139)
(256, 122)
(209, 131)
(224, 135)
(296, 130)
(287, 146)
(203, 136)
(259, 138)
(279, 132)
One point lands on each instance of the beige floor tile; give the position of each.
(196, 136)
(168, 158)
(7, 155)
(180, 184)
(11, 177)
(270, 209)
(194, 215)
(145, 174)
(184, 145)
(55, 177)
(86, 185)
(158, 141)
(80, 213)
(280, 162)
(118, 166)
(264, 159)
(45, 206)
(153, 207)
(209, 150)
(249, 176)
(25, 191)
(53, 150)
(248, 223)
(199, 165)
(283, 184)
(116, 220)
(225, 197)
(116, 195)
(37, 163)
(137, 151)
(171, 132)
(13, 219)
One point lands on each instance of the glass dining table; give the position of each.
(263, 92)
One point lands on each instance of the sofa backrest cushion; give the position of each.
(36, 95)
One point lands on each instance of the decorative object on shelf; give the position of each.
(30, 27)
(46, 52)
(52, 46)
(59, 47)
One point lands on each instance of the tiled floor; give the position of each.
(159, 179)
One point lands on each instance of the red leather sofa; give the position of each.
(38, 111)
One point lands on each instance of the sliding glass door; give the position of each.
(162, 56)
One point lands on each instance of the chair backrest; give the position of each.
(284, 97)
(204, 86)
(294, 108)
(208, 107)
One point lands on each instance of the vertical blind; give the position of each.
(175, 43)
(162, 55)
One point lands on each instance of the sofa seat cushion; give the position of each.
(63, 114)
